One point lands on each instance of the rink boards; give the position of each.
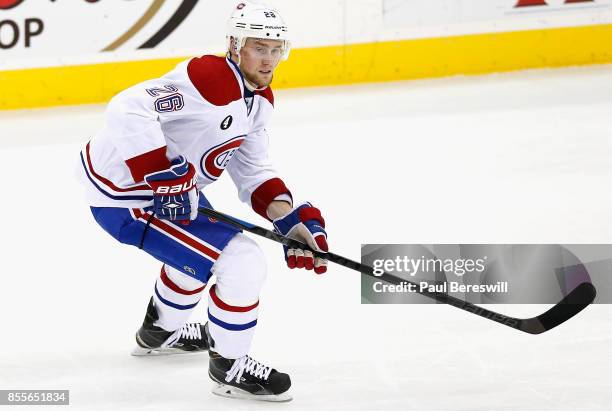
(48, 62)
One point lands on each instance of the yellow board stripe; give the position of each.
(371, 62)
(437, 57)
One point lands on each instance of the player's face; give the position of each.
(258, 59)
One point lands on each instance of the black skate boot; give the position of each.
(153, 340)
(246, 378)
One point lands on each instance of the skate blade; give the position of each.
(233, 392)
(153, 352)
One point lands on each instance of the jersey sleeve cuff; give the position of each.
(266, 193)
(284, 197)
(147, 163)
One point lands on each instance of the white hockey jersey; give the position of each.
(201, 110)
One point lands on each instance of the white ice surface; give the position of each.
(513, 158)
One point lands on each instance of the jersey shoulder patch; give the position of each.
(267, 94)
(214, 79)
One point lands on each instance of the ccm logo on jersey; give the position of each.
(177, 188)
(215, 160)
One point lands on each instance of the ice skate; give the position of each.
(246, 378)
(153, 340)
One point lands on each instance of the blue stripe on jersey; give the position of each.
(146, 198)
(171, 304)
(231, 327)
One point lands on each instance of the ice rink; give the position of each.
(512, 158)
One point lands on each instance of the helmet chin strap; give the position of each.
(251, 86)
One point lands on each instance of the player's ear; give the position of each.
(234, 45)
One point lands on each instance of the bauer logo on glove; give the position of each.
(178, 188)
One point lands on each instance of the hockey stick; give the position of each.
(574, 302)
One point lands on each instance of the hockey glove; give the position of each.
(175, 194)
(305, 224)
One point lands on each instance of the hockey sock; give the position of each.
(176, 295)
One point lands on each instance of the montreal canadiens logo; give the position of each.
(215, 160)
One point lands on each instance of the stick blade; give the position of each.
(577, 300)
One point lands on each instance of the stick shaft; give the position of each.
(579, 298)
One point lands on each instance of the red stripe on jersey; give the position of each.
(214, 79)
(173, 232)
(170, 284)
(107, 181)
(267, 94)
(227, 307)
(266, 193)
(149, 162)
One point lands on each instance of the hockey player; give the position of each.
(164, 141)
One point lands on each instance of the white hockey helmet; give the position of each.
(259, 21)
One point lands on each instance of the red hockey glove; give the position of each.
(305, 224)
